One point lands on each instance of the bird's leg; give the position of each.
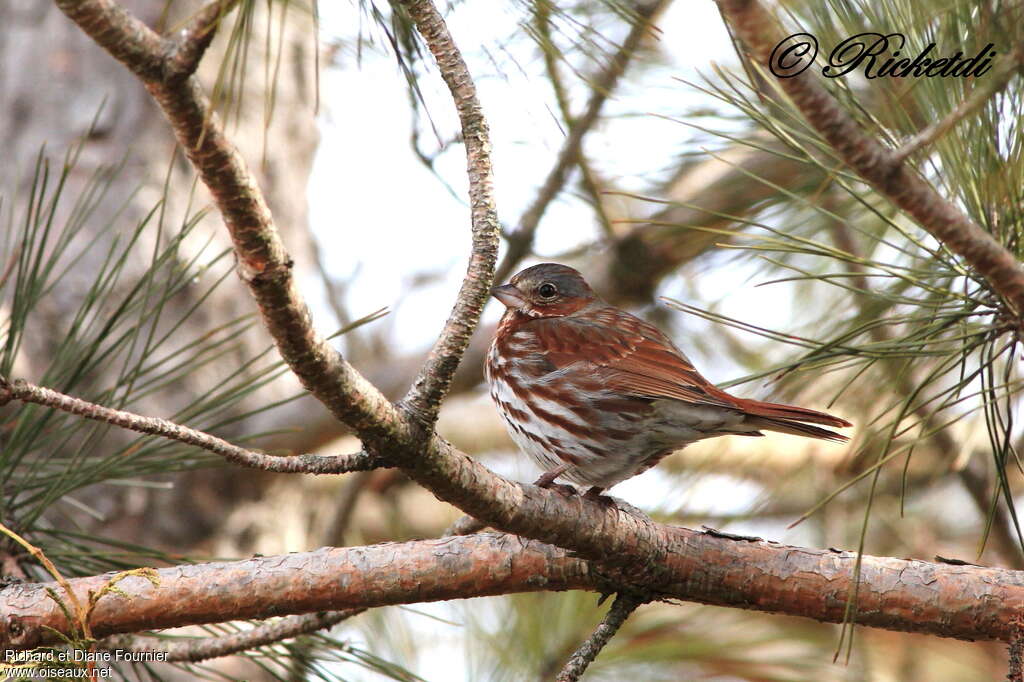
(548, 477)
(547, 480)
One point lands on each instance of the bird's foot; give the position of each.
(595, 495)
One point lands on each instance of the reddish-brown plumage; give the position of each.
(596, 395)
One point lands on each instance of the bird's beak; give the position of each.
(509, 295)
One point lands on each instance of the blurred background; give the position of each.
(629, 141)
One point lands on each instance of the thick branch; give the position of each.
(879, 166)
(304, 464)
(967, 602)
(127, 39)
(1016, 658)
(434, 379)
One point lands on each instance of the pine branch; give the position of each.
(434, 379)
(577, 664)
(996, 80)
(961, 601)
(305, 464)
(205, 648)
(905, 383)
(879, 166)
(185, 52)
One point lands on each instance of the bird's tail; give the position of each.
(792, 420)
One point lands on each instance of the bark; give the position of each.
(961, 601)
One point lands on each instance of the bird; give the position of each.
(595, 395)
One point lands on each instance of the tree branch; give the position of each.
(117, 31)
(205, 648)
(967, 602)
(577, 664)
(433, 381)
(185, 53)
(879, 166)
(303, 464)
(710, 193)
(997, 79)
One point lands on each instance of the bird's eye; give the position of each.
(547, 290)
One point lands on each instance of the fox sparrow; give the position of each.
(596, 395)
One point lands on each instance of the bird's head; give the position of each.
(545, 290)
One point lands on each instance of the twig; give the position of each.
(521, 241)
(205, 648)
(305, 464)
(464, 525)
(758, 31)
(434, 379)
(984, 90)
(624, 605)
(186, 51)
